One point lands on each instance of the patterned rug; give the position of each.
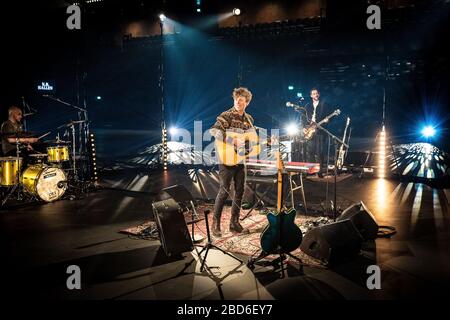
(248, 244)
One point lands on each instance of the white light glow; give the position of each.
(292, 129)
(428, 131)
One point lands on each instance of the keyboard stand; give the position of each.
(295, 187)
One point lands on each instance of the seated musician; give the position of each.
(233, 118)
(11, 130)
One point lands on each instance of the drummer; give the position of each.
(11, 130)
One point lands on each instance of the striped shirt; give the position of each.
(231, 119)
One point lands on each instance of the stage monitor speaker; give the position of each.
(363, 220)
(172, 228)
(180, 194)
(333, 243)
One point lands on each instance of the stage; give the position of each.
(39, 242)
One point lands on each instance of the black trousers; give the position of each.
(226, 175)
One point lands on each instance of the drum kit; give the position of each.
(44, 177)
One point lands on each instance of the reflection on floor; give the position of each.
(39, 242)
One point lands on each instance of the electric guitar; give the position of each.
(309, 132)
(281, 235)
(342, 151)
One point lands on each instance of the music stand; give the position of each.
(210, 245)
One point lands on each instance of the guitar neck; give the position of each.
(280, 167)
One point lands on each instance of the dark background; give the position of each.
(350, 65)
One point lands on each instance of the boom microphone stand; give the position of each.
(84, 129)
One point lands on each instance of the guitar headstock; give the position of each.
(337, 112)
(348, 121)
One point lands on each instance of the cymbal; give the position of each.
(71, 123)
(38, 155)
(57, 142)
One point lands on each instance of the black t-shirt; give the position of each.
(9, 127)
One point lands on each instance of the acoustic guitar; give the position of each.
(231, 154)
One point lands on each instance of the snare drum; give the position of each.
(9, 169)
(38, 158)
(58, 154)
(48, 183)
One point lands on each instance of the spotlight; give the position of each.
(173, 130)
(299, 95)
(99, 98)
(236, 11)
(290, 88)
(162, 17)
(292, 129)
(199, 10)
(428, 131)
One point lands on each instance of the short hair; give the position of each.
(12, 109)
(242, 92)
(312, 89)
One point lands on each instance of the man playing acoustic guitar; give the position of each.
(233, 119)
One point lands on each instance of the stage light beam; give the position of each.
(382, 154)
(173, 130)
(236, 11)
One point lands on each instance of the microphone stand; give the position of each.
(337, 142)
(26, 108)
(84, 127)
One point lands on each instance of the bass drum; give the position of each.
(47, 183)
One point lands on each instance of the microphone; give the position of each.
(292, 105)
(61, 184)
(289, 104)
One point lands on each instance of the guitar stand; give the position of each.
(278, 261)
(209, 245)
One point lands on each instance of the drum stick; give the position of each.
(44, 135)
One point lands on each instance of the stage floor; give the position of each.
(39, 242)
